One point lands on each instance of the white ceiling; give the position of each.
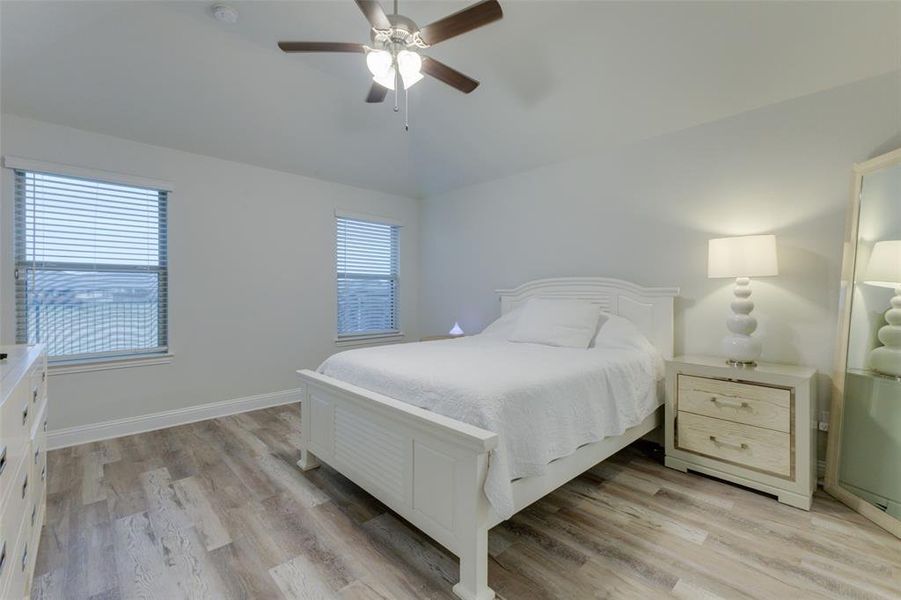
(559, 79)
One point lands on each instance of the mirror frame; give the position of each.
(833, 448)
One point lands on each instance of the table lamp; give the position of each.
(742, 258)
(884, 270)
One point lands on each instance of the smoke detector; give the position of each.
(225, 13)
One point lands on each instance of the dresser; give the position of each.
(754, 426)
(23, 465)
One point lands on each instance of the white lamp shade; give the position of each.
(408, 62)
(378, 62)
(386, 80)
(884, 268)
(410, 79)
(744, 256)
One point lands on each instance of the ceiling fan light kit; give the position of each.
(381, 64)
(396, 41)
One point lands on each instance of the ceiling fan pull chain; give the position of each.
(396, 85)
(406, 109)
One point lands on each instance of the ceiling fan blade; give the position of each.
(467, 19)
(320, 47)
(451, 77)
(374, 14)
(377, 93)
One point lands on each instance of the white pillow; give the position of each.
(553, 322)
(503, 326)
(618, 332)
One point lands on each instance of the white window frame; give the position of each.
(356, 339)
(63, 365)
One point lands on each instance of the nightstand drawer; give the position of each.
(754, 447)
(760, 406)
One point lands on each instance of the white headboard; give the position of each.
(650, 308)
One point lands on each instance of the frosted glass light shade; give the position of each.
(410, 79)
(884, 268)
(378, 62)
(456, 329)
(386, 80)
(744, 256)
(409, 64)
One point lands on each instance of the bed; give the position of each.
(385, 418)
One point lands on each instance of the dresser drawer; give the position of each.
(16, 416)
(9, 533)
(20, 562)
(14, 523)
(33, 543)
(7, 558)
(38, 377)
(757, 405)
(754, 447)
(38, 474)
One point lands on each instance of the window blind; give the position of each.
(367, 277)
(91, 266)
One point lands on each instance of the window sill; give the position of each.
(364, 340)
(87, 366)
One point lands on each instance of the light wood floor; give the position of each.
(218, 510)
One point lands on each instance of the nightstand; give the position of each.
(754, 426)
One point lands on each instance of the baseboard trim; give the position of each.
(95, 432)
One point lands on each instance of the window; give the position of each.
(91, 267)
(367, 277)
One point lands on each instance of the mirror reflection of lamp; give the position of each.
(455, 330)
(884, 270)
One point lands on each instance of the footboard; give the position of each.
(428, 468)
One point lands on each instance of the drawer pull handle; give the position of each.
(2, 556)
(24, 486)
(37, 452)
(25, 414)
(741, 446)
(34, 396)
(34, 514)
(2, 460)
(25, 557)
(45, 424)
(43, 472)
(731, 403)
(43, 375)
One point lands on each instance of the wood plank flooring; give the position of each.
(218, 510)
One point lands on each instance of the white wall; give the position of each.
(645, 212)
(252, 273)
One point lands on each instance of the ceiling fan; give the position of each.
(395, 58)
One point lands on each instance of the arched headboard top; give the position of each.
(650, 308)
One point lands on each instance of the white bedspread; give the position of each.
(543, 402)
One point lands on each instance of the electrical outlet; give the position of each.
(823, 424)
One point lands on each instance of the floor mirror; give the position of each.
(863, 463)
